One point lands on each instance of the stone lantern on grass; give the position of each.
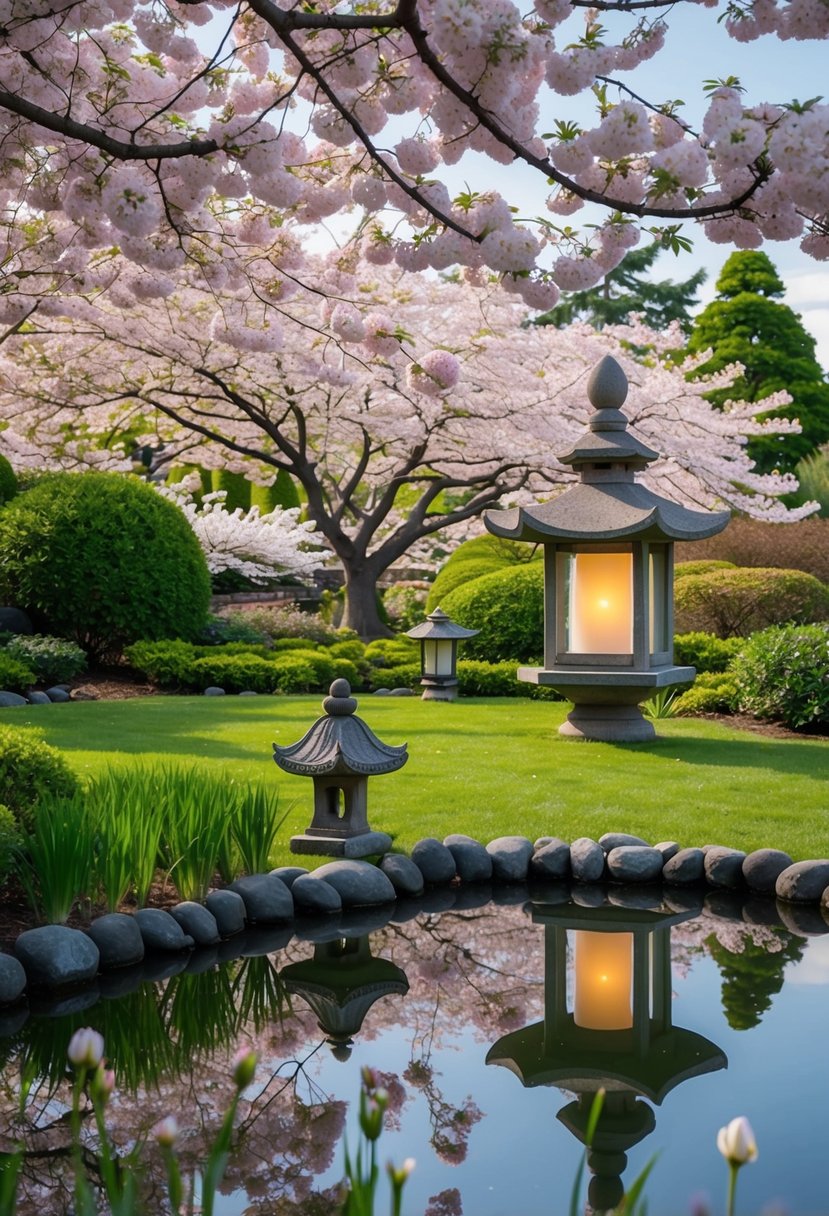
(340, 753)
(608, 574)
(439, 636)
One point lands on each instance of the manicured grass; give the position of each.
(486, 767)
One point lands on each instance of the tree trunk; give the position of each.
(362, 606)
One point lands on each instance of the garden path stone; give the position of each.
(510, 858)
(315, 895)
(12, 979)
(214, 691)
(668, 849)
(634, 863)
(617, 840)
(686, 866)
(587, 860)
(228, 909)
(54, 956)
(724, 867)
(39, 698)
(198, 921)
(118, 939)
(57, 694)
(267, 900)
(434, 860)
(12, 700)
(357, 882)
(402, 873)
(763, 867)
(289, 874)
(804, 882)
(472, 861)
(551, 861)
(161, 931)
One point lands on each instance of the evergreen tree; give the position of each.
(752, 977)
(748, 323)
(627, 289)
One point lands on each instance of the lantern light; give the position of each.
(439, 637)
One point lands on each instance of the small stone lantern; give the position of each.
(439, 637)
(340, 753)
(608, 574)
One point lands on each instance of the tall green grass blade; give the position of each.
(256, 825)
(56, 857)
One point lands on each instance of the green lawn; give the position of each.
(486, 767)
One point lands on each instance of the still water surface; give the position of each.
(486, 1029)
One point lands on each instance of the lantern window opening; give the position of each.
(336, 801)
(597, 603)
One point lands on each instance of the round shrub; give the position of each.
(733, 603)
(783, 674)
(713, 692)
(458, 574)
(352, 649)
(683, 569)
(508, 609)
(8, 481)
(391, 652)
(15, 675)
(103, 559)
(705, 651)
(481, 555)
(232, 672)
(29, 770)
(53, 660)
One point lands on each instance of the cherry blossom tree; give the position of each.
(406, 411)
(187, 131)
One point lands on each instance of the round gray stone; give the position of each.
(357, 882)
(724, 867)
(248, 692)
(228, 910)
(402, 873)
(634, 863)
(806, 920)
(315, 895)
(685, 867)
(267, 900)
(11, 700)
(15, 620)
(289, 874)
(804, 882)
(434, 861)
(551, 861)
(402, 692)
(118, 939)
(198, 921)
(587, 860)
(542, 840)
(617, 840)
(161, 931)
(57, 694)
(472, 862)
(214, 691)
(39, 698)
(381, 692)
(668, 849)
(763, 867)
(510, 858)
(54, 956)
(12, 979)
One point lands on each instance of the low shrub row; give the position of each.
(237, 668)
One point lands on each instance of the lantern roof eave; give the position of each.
(340, 746)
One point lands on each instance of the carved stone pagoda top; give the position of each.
(339, 743)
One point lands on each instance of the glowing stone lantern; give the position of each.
(340, 753)
(439, 636)
(616, 1034)
(608, 574)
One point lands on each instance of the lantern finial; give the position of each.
(607, 387)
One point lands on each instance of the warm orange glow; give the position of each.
(604, 970)
(601, 604)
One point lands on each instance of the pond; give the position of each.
(491, 1027)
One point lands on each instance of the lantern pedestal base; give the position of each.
(366, 844)
(607, 724)
(440, 692)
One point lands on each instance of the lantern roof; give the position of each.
(339, 743)
(607, 504)
(438, 626)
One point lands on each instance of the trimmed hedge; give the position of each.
(236, 669)
(783, 674)
(713, 692)
(507, 607)
(733, 603)
(458, 574)
(15, 675)
(29, 770)
(484, 554)
(683, 569)
(705, 651)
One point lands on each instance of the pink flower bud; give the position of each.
(86, 1048)
(102, 1084)
(243, 1067)
(166, 1131)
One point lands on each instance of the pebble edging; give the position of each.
(259, 913)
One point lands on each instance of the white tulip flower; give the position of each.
(736, 1142)
(86, 1048)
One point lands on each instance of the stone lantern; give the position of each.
(439, 636)
(617, 1035)
(608, 574)
(340, 753)
(341, 983)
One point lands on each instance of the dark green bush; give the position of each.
(705, 651)
(280, 644)
(352, 649)
(783, 674)
(15, 676)
(683, 569)
(165, 663)
(220, 630)
(508, 609)
(236, 673)
(480, 679)
(458, 574)
(103, 559)
(29, 770)
(8, 481)
(713, 692)
(53, 660)
(404, 675)
(392, 652)
(734, 603)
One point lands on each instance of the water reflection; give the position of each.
(616, 1034)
